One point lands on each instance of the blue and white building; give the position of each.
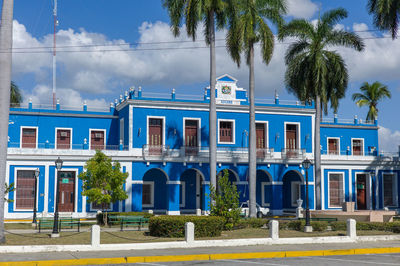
(163, 144)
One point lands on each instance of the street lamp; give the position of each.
(37, 172)
(308, 227)
(55, 233)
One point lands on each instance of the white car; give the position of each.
(261, 211)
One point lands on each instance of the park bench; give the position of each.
(134, 221)
(113, 219)
(63, 222)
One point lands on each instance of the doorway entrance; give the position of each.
(66, 191)
(361, 191)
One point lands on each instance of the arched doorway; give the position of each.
(154, 190)
(292, 189)
(263, 188)
(191, 191)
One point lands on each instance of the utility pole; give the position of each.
(5, 83)
(54, 53)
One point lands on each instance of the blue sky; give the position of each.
(99, 77)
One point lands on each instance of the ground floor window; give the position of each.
(148, 194)
(389, 190)
(336, 189)
(182, 189)
(296, 193)
(25, 190)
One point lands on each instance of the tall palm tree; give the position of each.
(370, 96)
(15, 95)
(248, 27)
(5, 81)
(386, 14)
(315, 71)
(196, 12)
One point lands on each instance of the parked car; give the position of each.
(261, 211)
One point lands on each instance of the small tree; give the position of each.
(8, 189)
(224, 201)
(103, 181)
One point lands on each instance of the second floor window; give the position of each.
(63, 138)
(333, 146)
(97, 140)
(28, 138)
(226, 131)
(357, 146)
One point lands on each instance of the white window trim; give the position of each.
(395, 192)
(151, 205)
(37, 136)
(70, 141)
(94, 209)
(122, 132)
(90, 137)
(327, 145)
(293, 201)
(16, 169)
(198, 130)
(298, 134)
(266, 136)
(76, 170)
(148, 125)
(263, 184)
(183, 186)
(362, 149)
(233, 130)
(344, 189)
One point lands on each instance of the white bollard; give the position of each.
(198, 212)
(352, 228)
(95, 235)
(189, 232)
(274, 229)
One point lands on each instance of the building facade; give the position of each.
(163, 144)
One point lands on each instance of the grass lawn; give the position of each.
(70, 238)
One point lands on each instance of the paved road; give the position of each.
(368, 260)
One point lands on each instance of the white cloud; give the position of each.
(301, 8)
(389, 141)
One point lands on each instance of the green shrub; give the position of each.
(295, 225)
(250, 223)
(174, 226)
(338, 226)
(319, 226)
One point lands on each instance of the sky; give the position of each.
(138, 49)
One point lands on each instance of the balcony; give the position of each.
(155, 151)
(293, 154)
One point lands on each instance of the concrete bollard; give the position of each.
(95, 235)
(351, 228)
(274, 229)
(189, 232)
(198, 212)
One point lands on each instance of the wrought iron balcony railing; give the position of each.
(288, 154)
(155, 151)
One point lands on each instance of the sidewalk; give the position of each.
(203, 253)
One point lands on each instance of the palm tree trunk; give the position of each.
(5, 81)
(213, 111)
(252, 141)
(317, 147)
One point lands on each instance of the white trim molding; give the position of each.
(233, 130)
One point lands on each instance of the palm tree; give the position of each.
(15, 95)
(315, 71)
(371, 95)
(248, 26)
(386, 14)
(5, 81)
(195, 13)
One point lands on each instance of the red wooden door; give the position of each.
(260, 140)
(191, 138)
(63, 139)
(66, 194)
(333, 146)
(97, 140)
(225, 132)
(361, 192)
(291, 140)
(28, 138)
(155, 136)
(25, 190)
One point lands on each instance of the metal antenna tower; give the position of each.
(54, 53)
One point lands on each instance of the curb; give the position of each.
(206, 257)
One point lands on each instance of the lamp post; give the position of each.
(37, 172)
(55, 233)
(308, 227)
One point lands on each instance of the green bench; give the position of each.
(63, 222)
(315, 219)
(134, 221)
(114, 219)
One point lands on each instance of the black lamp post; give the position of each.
(59, 164)
(306, 165)
(37, 172)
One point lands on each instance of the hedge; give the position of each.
(250, 223)
(174, 226)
